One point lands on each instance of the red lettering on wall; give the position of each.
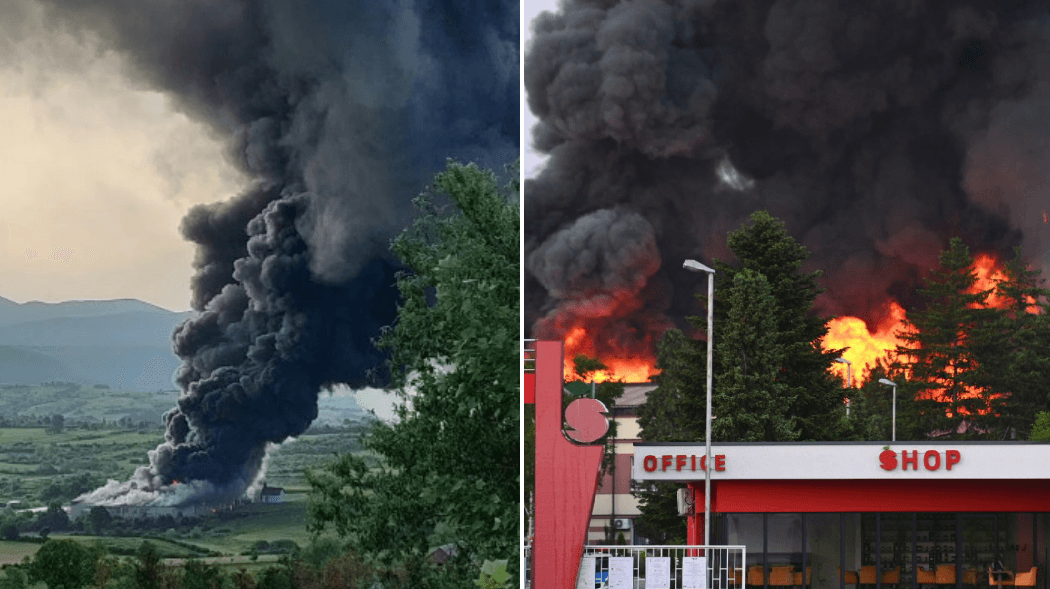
(703, 462)
(679, 461)
(720, 462)
(914, 460)
(694, 461)
(888, 459)
(935, 455)
(649, 463)
(951, 458)
(666, 460)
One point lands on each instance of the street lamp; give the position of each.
(890, 383)
(849, 378)
(695, 266)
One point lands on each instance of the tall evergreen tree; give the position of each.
(812, 396)
(787, 376)
(749, 377)
(1016, 354)
(943, 343)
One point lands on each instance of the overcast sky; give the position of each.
(97, 173)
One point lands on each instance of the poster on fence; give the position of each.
(621, 572)
(585, 580)
(694, 572)
(658, 572)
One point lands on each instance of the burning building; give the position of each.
(876, 131)
(340, 112)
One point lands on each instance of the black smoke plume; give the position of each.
(875, 130)
(340, 111)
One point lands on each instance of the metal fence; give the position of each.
(663, 567)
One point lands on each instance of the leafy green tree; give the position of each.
(150, 572)
(14, 578)
(99, 519)
(942, 345)
(197, 574)
(1041, 427)
(62, 564)
(54, 518)
(453, 455)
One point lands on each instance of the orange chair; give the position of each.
(892, 577)
(946, 574)
(796, 578)
(1026, 579)
(850, 577)
(970, 577)
(781, 576)
(756, 576)
(925, 577)
(867, 575)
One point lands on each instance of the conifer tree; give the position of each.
(942, 345)
(752, 395)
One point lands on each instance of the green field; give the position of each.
(13, 552)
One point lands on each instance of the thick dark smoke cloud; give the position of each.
(875, 130)
(341, 111)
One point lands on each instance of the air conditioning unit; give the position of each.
(621, 524)
(685, 502)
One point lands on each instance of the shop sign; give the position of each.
(930, 459)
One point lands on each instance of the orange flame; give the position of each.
(631, 369)
(989, 273)
(865, 346)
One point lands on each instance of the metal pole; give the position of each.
(894, 413)
(707, 437)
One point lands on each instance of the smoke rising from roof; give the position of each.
(341, 111)
(874, 130)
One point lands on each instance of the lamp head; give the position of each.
(697, 267)
(843, 361)
(887, 382)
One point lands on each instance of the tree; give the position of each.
(1041, 427)
(942, 345)
(453, 455)
(54, 518)
(768, 359)
(197, 574)
(62, 564)
(99, 519)
(56, 424)
(1015, 350)
(752, 393)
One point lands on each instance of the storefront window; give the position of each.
(822, 549)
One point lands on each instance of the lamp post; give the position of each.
(849, 378)
(890, 383)
(695, 266)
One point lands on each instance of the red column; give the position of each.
(566, 480)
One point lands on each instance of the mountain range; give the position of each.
(123, 343)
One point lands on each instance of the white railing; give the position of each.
(663, 567)
(528, 355)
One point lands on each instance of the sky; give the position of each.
(98, 173)
(532, 161)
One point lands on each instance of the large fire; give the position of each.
(864, 345)
(626, 369)
(867, 346)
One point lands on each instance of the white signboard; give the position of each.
(694, 572)
(585, 580)
(621, 572)
(658, 572)
(838, 461)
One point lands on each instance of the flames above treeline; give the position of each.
(864, 343)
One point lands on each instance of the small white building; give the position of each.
(271, 494)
